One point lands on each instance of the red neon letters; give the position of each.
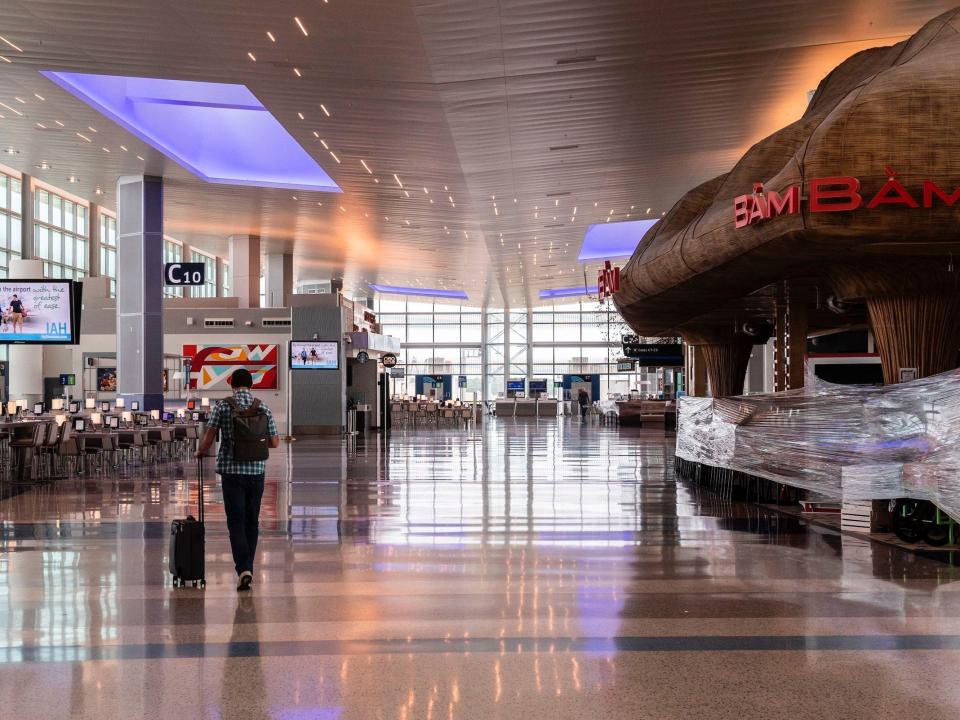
(608, 281)
(834, 194)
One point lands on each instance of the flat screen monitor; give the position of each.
(135, 406)
(114, 422)
(41, 312)
(516, 385)
(105, 406)
(74, 408)
(538, 386)
(167, 417)
(38, 408)
(79, 425)
(314, 355)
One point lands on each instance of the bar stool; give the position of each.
(25, 440)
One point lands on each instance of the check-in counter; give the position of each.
(649, 413)
(528, 408)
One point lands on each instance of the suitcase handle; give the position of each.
(200, 480)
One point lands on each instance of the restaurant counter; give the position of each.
(649, 413)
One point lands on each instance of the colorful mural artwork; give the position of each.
(211, 365)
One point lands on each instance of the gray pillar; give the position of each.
(140, 290)
(245, 269)
(25, 366)
(26, 214)
(93, 241)
(278, 277)
(220, 270)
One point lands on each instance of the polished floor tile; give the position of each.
(535, 569)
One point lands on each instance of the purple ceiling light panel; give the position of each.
(605, 241)
(567, 292)
(423, 292)
(219, 132)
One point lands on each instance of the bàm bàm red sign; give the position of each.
(834, 194)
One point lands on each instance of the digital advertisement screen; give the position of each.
(315, 355)
(538, 386)
(516, 385)
(37, 311)
(106, 379)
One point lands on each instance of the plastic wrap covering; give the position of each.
(840, 442)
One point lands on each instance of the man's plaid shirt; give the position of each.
(222, 419)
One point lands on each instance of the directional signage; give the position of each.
(181, 273)
(389, 360)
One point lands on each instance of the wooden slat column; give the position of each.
(920, 331)
(727, 366)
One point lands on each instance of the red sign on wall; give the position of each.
(608, 281)
(834, 194)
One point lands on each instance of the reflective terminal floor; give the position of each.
(538, 570)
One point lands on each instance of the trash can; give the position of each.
(362, 421)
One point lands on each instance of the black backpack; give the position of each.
(251, 431)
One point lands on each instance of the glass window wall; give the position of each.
(60, 235)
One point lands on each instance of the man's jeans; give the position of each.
(241, 501)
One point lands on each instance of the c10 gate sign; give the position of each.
(181, 273)
(836, 194)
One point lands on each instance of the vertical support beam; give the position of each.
(221, 272)
(697, 376)
(278, 279)
(919, 331)
(727, 366)
(93, 241)
(530, 345)
(796, 343)
(26, 361)
(506, 348)
(140, 290)
(780, 346)
(27, 204)
(244, 269)
(484, 361)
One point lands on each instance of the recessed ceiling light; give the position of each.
(300, 25)
(20, 100)
(397, 179)
(334, 156)
(11, 151)
(324, 108)
(73, 179)
(105, 149)
(270, 35)
(124, 148)
(13, 110)
(140, 157)
(5, 59)
(297, 72)
(98, 191)
(252, 56)
(366, 167)
(15, 47)
(84, 137)
(91, 129)
(376, 180)
(41, 126)
(324, 143)
(59, 123)
(300, 115)
(44, 165)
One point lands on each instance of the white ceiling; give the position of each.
(647, 98)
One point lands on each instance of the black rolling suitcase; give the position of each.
(187, 545)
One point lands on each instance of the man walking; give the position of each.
(247, 430)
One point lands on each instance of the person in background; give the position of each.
(242, 480)
(583, 399)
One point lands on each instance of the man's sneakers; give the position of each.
(246, 578)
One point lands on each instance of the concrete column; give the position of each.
(245, 269)
(140, 290)
(26, 361)
(221, 270)
(278, 277)
(93, 241)
(26, 214)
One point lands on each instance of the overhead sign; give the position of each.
(397, 372)
(461, 381)
(626, 365)
(184, 274)
(362, 356)
(389, 360)
(608, 281)
(835, 194)
(68, 379)
(655, 354)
